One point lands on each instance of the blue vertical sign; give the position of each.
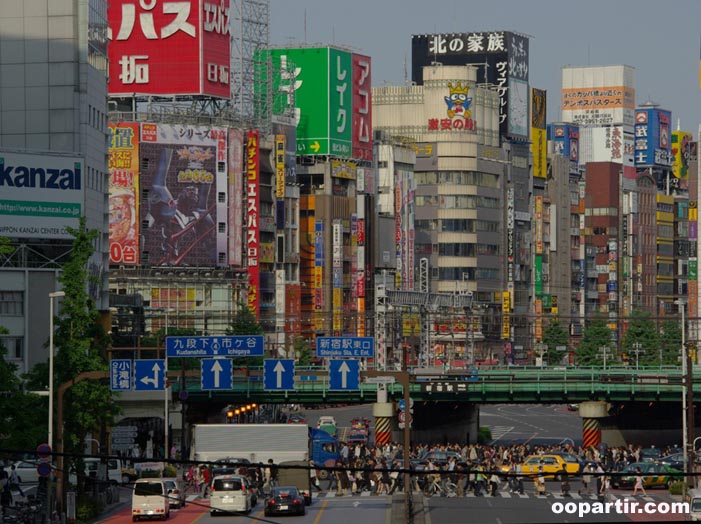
(120, 374)
(149, 375)
(279, 374)
(344, 375)
(217, 373)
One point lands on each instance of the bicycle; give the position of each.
(434, 487)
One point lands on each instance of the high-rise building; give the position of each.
(53, 118)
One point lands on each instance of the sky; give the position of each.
(661, 40)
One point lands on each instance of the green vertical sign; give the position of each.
(340, 103)
(538, 275)
(693, 271)
(547, 302)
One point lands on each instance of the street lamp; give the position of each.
(604, 350)
(637, 348)
(52, 296)
(685, 434)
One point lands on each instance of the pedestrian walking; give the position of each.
(586, 479)
(313, 476)
(639, 484)
(15, 481)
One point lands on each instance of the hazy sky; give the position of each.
(661, 40)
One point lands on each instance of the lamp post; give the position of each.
(604, 350)
(52, 296)
(637, 349)
(685, 432)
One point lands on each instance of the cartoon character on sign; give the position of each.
(458, 102)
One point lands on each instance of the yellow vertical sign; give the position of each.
(506, 315)
(280, 166)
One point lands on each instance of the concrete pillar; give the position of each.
(591, 412)
(383, 413)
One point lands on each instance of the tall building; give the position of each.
(463, 182)
(53, 117)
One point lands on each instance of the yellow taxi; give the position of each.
(552, 466)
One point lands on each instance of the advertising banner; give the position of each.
(653, 138)
(539, 225)
(321, 80)
(40, 195)
(179, 182)
(252, 214)
(168, 48)
(337, 283)
(318, 265)
(280, 166)
(566, 143)
(681, 153)
(123, 166)
(503, 57)
(362, 107)
(597, 106)
(235, 210)
(538, 319)
(505, 315)
(538, 275)
(538, 133)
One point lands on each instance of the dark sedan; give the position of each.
(285, 500)
(654, 475)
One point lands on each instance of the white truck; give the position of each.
(285, 444)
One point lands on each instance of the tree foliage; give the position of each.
(670, 343)
(244, 322)
(641, 333)
(81, 344)
(555, 335)
(595, 336)
(17, 431)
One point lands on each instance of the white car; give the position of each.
(27, 471)
(326, 420)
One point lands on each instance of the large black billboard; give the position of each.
(502, 60)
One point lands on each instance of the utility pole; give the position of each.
(605, 350)
(637, 348)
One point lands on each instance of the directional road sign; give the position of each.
(120, 374)
(217, 374)
(279, 374)
(223, 346)
(349, 347)
(149, 374)
(344, 375)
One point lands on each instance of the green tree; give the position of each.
(595, 335)
(17, 431)
(641, 333)
(555, 335)
(670, 343)
(81, 344)
(304, 352)
(244, 322)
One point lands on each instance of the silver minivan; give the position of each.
(149, 500)
(694, 500)
(229, 493)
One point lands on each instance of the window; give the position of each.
(13, 346)
(222, 227)
(221, 197)
(11, 303)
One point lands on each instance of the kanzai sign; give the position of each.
(224, 346)
(354, 347)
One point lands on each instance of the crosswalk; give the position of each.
(507, 495)
(499, 431)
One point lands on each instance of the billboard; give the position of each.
(598, 96)
(168, 48)
(362, 107)
(681, 153)
(502, 60)
(235, 211)
(40, 195)
(318, 284)
(323, 85)
(538, 135)
(123, 168)
(253, 245)
(653, 136)
(182, 169)
(566, 142)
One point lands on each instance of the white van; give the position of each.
(229, 493)
(93, 469)
(149, 500)
(694, 499)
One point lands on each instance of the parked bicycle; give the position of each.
(434, 486)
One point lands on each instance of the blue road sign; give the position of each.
(474, 375)
(120, 374)
(224, 346)
(149, 374)
(344, 375)
(349, 347)
(279, 374)
(217, 373)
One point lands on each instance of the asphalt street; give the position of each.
(539, 423)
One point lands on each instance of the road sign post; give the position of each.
(278, 374)
(344, 375)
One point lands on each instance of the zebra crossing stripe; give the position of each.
(505, 494)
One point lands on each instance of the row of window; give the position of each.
(468, 273)
(461, 178)
(458, 225)
(458, 201)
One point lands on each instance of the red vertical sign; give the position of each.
(362, 108)
(252, 228)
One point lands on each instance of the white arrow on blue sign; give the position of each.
(279, 374)
(149, 374)
(120, 374)
(344, 375)
(217, 373)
